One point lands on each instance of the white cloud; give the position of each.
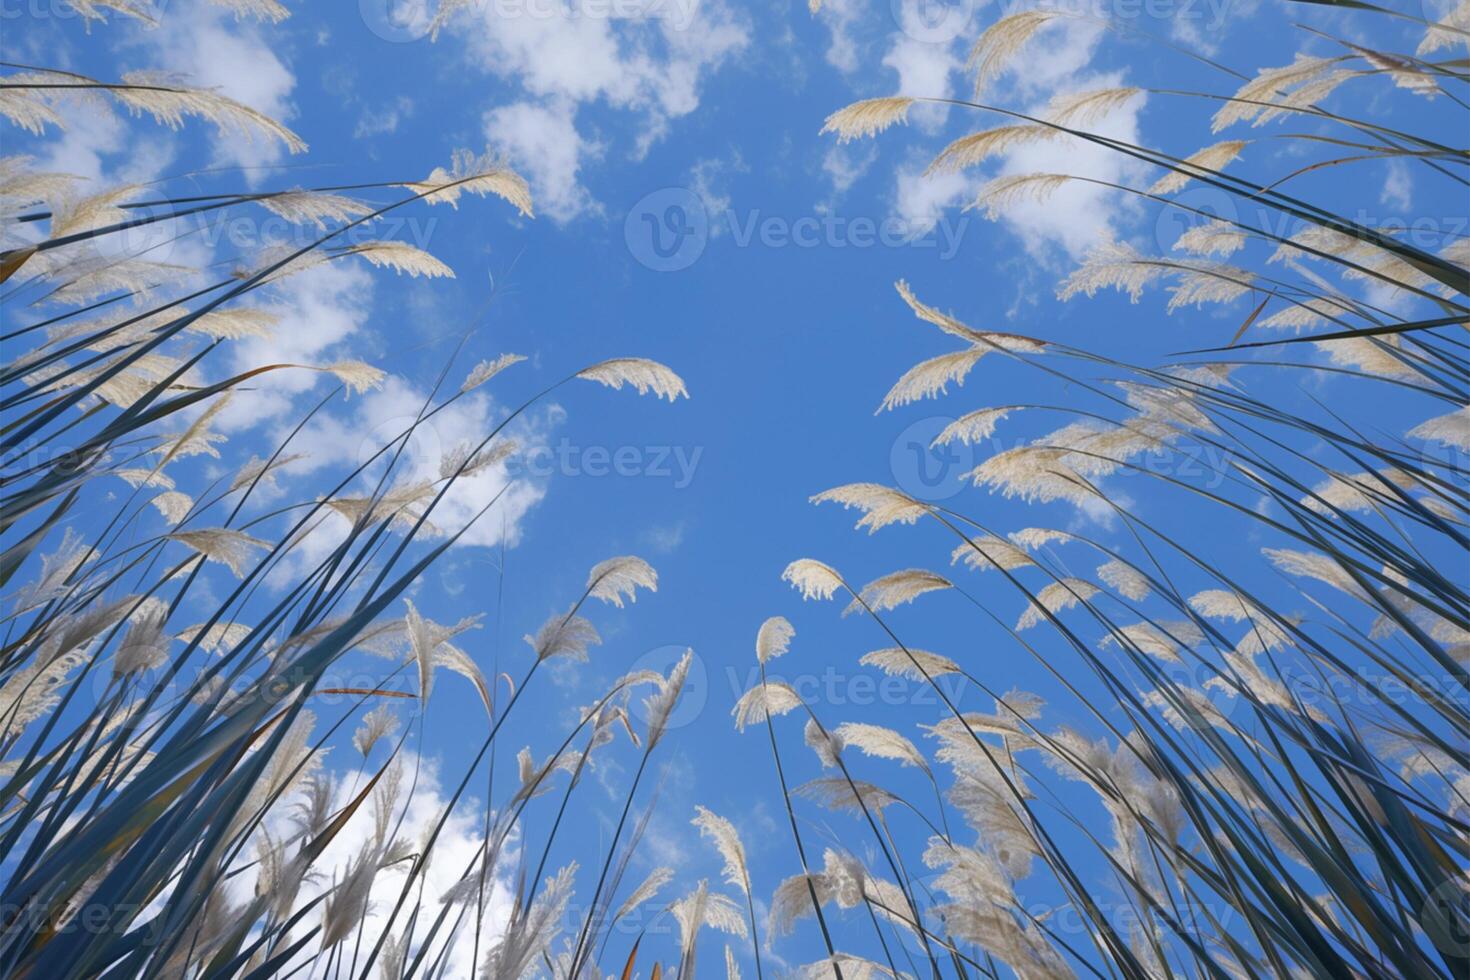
(319, 308)
(420, 806)
(708, 179)
(542, 142)
(1398, 187)
(649, 66)
(845, 163)
(214, 50)
(920, 202)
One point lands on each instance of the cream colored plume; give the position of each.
(486, 370)
(931, 378)
(1079, 108)
(1210, 239)
(881, 506)
(989, 340)
(1001, 42)
(478, 175)
(1436, 37)
(768, 699)
(617, 578)
(975, 149)
(812, 579)
(1125, 579)
(826, 745)
(377, 724)
(1270, 85)
(1055, 598)
(882, 743)
(1214, 157)
(1448, 430)
(168, 102)
(402, 257)
(314, 208)
(229, 547)
(989, 551)
(722, 834)
(651, 886)
(972, 427)
(897, 588)
(911, 663)
(564, 635)
(1163, 640)
(868, 117)
(1003, 193)
(773, 639)
(644, 375)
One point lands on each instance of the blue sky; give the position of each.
(688, 210)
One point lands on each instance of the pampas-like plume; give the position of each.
(931, 378)
(812, 578)
(1002, 193)
(868, 117)
(486, 370)
(912, 663)
(1001, 42)
(530, 933)
(1269, 85)
(989, 551)
(220, 636)
(564, 635)
(987, 340)
(1215, 157)
(773, 639)
(972, 427)
(1079, 108)
(897, 588)
(1437, 37)
(429, 646)
(1125, 579)
(402, 257)
(838, 793)
(1111, 265)
(767, 699)
(643, 374)
(227, 546)
(652, 885)
(168, 102)
(722, 834)
(379, 723)
(975, 149)
(1055, 598)
(660, 704)
(881, 506)
(826, 745)
(882, 743)
(313, 207)
(1212, 238)
(478, 175)
(173, 505)
(1163, 640)
(1448, 430)
(359, 378)
(616, 578)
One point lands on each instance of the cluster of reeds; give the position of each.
(169, 676)
(1254, 759)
